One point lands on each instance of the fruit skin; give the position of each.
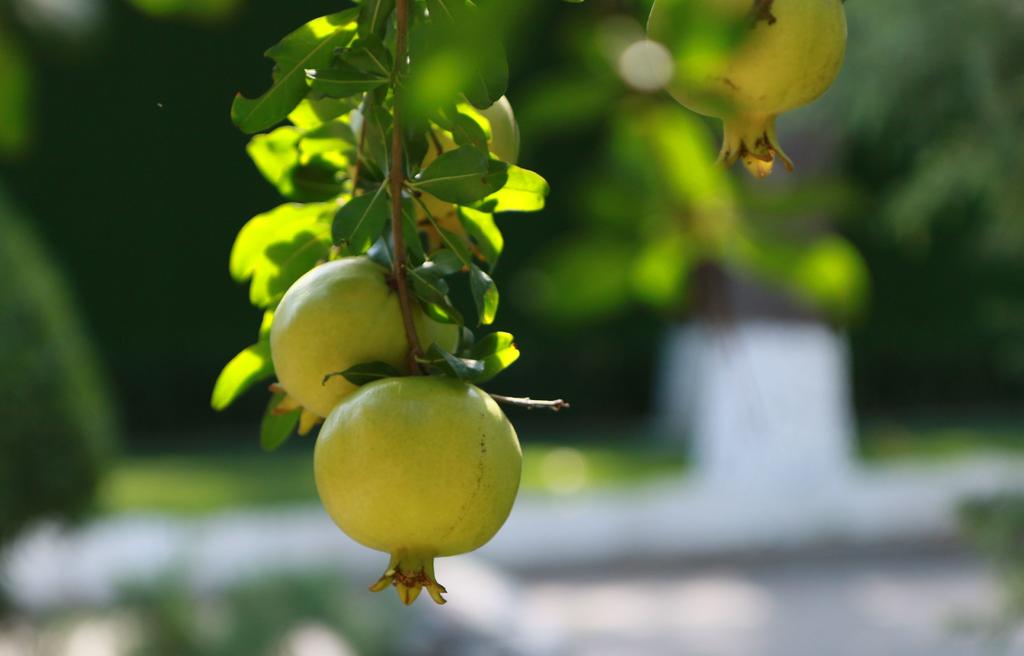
(504, 141)
(418, 467)
(793, 53)
(338, 315)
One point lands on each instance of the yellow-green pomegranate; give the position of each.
(419, 468)
(338, 315)
(504, 141)
(791, 55)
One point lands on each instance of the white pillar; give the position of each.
(766, 403)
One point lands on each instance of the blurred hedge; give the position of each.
(56, 418)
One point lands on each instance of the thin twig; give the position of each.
(531, 404)
(440, 233)
(397, 180)
(437, 143)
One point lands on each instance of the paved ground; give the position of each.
(906, 602)
(857, 602)
(846, 604)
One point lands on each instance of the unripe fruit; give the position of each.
(339, 315)
(504, 141)
(791, 55)
(419, 468)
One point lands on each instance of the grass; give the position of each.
(936, 438)
(202, 482)
(206, 482)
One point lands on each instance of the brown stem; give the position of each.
(531, 404)
(397, 180)
(762, 11)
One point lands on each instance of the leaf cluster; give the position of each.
(322, 137)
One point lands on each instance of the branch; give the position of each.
(397, 180)
(530, 404)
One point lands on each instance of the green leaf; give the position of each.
(312, 112)
(428, 286)
(462, 176)
(311, 46)
(207, 11)
(524, 191)
(376, 129)
(432, 292)
(443, 313)
(380, 253)
(450, 365)
(489, 81)
(450, 12)
(460, 28)
(276, 248)
(485, 295)
(332, 141)
(443, 263)
(457, 244)
(484, 232)
(342, 81)
(452, 241)
(245, 369)
(15, 92)
(413, 237)
(363, 374)
(266, 325)
(497, 351)
(361, 221)
(369, 55)
(373, 17)
(466, 339)
(276, 429)
(298, 175)
(466, 131)
(276, 154)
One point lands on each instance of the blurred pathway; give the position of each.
(854, 603)
(850, 602)
(880, 604)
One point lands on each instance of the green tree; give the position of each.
(58, 421)
(933, 148)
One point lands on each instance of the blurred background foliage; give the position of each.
(197, 10)
(996, 526)
(58, 420)
(921, 183)
(263, 615)
(935, 144)
(904, 230)
(15, 85)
